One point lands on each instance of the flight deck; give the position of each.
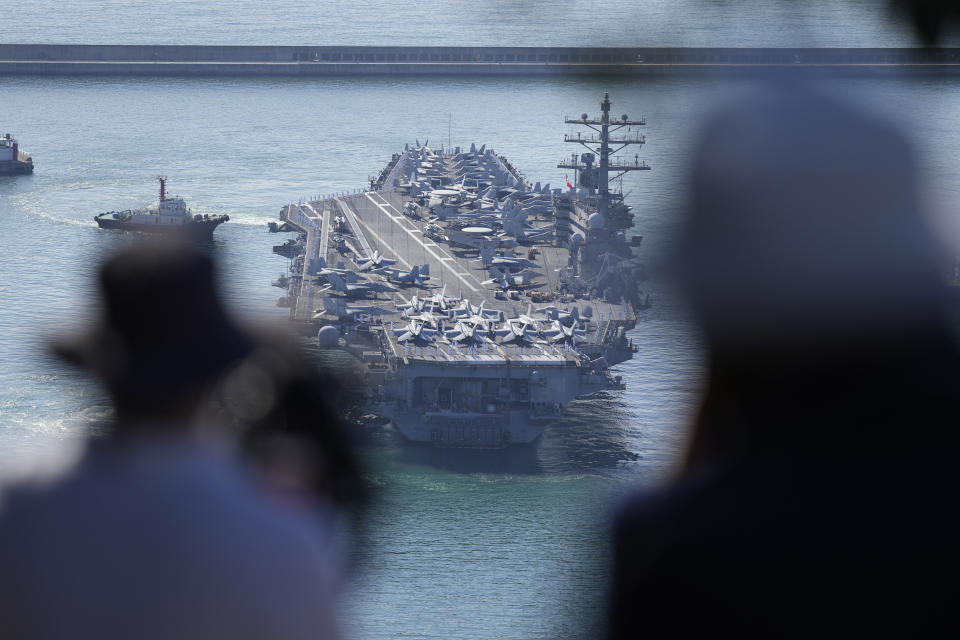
(376, 223)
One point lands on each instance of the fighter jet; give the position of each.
(414, 330)
(465, 330)
(318, 267)
(554, 313)
(477, 315)
(508, 280)
(416, 276)
(439, 301)
(359, 289)
(341, 309)
(509, 262)
(514, 330)
(375, 261)
(526, 318)
(523, 327)
(560, 333)
(520, 231)
(468, 241)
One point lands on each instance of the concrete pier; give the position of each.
(305, 61)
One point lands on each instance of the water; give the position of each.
(465, 546)
(758, 23)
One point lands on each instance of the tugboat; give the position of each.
(171, 216)
(12, 159)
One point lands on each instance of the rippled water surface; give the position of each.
(748, 23)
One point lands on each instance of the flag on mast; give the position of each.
(567, 178)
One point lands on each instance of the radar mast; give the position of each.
(597, 179)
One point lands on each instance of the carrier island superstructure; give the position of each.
(479, 303)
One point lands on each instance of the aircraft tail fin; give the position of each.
(337, 282)
(330, 305)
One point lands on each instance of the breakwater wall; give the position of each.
(306, 61)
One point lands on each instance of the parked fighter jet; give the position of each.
(477, 315)
(554, 313)
(359, 289)
(341, 309)
(509, 261)
(560, 332)
(523, 327)
(375, 261)
(417, 275)
(465, 330)
(318, 267)
(524, 232)
(514, 330)
(526, 318)
(435, 302)
(414, 330)
(470, 241)
(507, 280)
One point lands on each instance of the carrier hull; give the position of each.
(202, 229)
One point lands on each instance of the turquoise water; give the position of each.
(465, 546)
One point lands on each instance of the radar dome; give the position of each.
(328, 336)
(596, 221)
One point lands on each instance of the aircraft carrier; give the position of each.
(479, 303)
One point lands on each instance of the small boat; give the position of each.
(171, 216)
(12, 159)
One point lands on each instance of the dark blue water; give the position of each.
(465, 546)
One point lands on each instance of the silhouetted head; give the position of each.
(163, 337)
(805, 231)
(817, 281)
(930, 18)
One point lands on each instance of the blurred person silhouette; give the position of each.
(165, 528)
(818, 496)
(931, 19)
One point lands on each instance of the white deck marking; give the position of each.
(352, 219)
(307, 205)
(327, 213)
(384, 242)
(427, 247)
